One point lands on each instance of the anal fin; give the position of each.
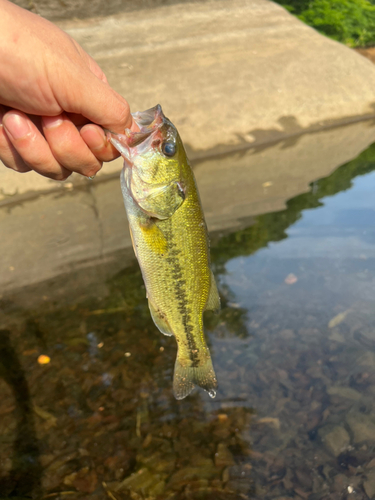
(160, 320)
(213, 301)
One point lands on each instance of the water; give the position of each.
(293, 348)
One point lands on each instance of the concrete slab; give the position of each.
(228, 74)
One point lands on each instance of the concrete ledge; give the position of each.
(59, 232)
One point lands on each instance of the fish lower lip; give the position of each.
(121, 148)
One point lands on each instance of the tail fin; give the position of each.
(186, 377)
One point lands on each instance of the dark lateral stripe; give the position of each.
(181, 297)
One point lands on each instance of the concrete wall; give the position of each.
(59, 232)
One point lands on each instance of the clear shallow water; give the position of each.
(294, 351)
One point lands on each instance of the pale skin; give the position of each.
(54, 100)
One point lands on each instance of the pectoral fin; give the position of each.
(154, 237)
(160, 320)
(213, 301)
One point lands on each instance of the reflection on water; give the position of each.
(294, 350)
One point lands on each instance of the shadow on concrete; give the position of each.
(289, 134)
(24, 479)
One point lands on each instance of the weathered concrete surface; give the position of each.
(56, 233)
(228, 74)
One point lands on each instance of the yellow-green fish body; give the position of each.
(170, 241)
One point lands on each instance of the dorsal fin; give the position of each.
(213, 301)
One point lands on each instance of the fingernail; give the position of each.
(17, 126)
(134, 127)
(52, 121)
(97, 140)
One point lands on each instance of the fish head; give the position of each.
(156, 151)
(154, 162)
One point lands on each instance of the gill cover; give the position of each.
(156, 200)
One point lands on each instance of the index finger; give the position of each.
(95, 138)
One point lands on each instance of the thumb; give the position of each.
(98, 102)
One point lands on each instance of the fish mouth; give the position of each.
(150, 123)
(149, 118)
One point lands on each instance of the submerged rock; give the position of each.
(187, 474)
(362, 426)
(223, 457)
(344, 392)
(369, 484)
(334, 438)
(368, 359)
(144, 482)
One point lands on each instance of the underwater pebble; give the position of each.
(43, 359)
(362, 426)
(344, 392)
(291, 279)
(223, 457)
(334, 438)
(339, 318)
(369, 485)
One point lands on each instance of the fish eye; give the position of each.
(169, 148)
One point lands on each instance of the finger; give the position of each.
(97, 70)
(96, 140)
(97, 101)
(92, 64)
(68, 147)
(32, 146)
(8, 154)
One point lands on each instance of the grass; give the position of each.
(348, 21)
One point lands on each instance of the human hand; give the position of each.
(54, 100)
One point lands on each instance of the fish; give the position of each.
(170, 240)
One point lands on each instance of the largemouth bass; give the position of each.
(170, 241)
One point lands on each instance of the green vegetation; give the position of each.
(349, 21)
